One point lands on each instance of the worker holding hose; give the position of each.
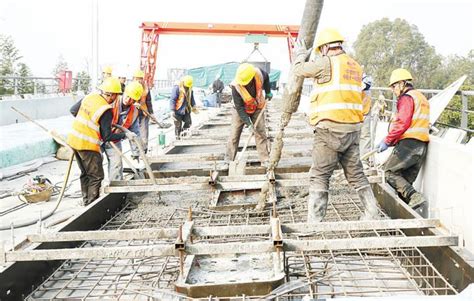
(336, 113)
(124, 114)
(250, 91)
(92, 127)
(409, 133)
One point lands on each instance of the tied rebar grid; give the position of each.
(321, 274)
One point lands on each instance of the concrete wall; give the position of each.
(41, 108)
(447, 180)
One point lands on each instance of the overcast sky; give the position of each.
(45, 29)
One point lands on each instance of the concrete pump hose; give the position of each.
(30, 222)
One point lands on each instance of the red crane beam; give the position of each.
(152, 30)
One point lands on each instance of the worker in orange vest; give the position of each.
(144, 105)
(250, 91)
(126, 115)
(409, 133)
(92, 126)
(182, 104)
(336, 115)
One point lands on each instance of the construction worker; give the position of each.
(145, 108)
(409, 133)
(250, 91)
(106, 72)
(91, 128)
(365, 144)
(182, 104)
(336, 114)
(124, 114)
(217, 88)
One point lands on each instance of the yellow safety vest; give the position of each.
(252, 103)
(85, 134)
(366, 103)
(420, 122)
(182, 95)
(340, 99)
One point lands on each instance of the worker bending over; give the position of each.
(250, 91)
(409, 133)
(124, 114)
(365, 144)
(91, 128)
(336, 114)
(182, 104)
(146, 108)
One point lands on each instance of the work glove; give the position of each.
(195, 110)
(130, 135)
(269, 96)
(382, 146)
(301, 52)
(137, 105)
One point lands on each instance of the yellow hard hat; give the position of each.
(107, 69)
(326, 36)
(399, 75)
(111, 85)
(187, 81)
(139, 74)
(245, 73)
(134, 90)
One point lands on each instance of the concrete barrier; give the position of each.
(37, 108)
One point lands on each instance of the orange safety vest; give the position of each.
(339, 99)
(181, 97)
(85, 134)
(420, 122)
(252, 103)
(129, 119)
(366, 103)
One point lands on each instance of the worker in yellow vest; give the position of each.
(336, 115)
(145, 105)
(125, 114)
(409, 133)
(250, 91)
(91, 128)
(182, 104)
(366, 134)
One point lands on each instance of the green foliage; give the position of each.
(83, 80)
(383, 46)
(9, 56)
(25, 86)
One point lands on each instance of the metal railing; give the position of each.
(22, 87)
(464, 111)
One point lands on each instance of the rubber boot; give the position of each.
(416, 200)
(317, 205)
(366, 196)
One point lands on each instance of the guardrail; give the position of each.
(13, 86)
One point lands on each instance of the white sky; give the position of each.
(45, 29)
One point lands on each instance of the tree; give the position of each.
(9, 56)
(385, 45)
(25, 86)
(83, 80)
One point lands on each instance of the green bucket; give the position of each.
(162, 139)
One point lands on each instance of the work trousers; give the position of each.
(403, 165)
(144, 123)
(260, 136)
(331, 148)
(181, 122)
(365, 144)
(115, 166)
(92, 174)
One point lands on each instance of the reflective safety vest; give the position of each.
(366, 102)
(85, 134)
(128, 120)
(182, 96)
(420, 122)
(339, 99)
(252, 103)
